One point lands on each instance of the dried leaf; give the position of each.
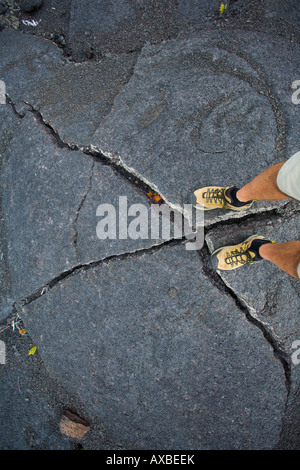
(23, 331)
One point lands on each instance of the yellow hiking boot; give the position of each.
(232, 257)
(218, 197)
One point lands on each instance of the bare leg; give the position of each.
(263, 187)
(285, 255)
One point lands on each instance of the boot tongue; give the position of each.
(254, 255)
(255, 245)
(230, 196)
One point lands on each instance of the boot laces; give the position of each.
(214, 194)
(236, 257)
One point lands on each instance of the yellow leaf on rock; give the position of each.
(222, 8)
(32, 350)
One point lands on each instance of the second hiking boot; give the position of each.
(232, 257)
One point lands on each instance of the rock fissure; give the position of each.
(75, 236)
(161, 348)
(129, 174)
(267, 332)
(85, 266)
(12, 105)
(132, 176)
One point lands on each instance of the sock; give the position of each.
(231, 193)
(255, 246)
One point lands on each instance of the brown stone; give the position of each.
(73, 426)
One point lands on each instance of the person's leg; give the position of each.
(285, 255)
(278, 182)
(263, 187)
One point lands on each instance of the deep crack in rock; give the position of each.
(75, 236)
(85, 266)
(129, 174)
(218, 282)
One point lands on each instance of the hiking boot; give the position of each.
(232, 257)
(218, 197)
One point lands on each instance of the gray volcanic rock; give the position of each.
(203, 113)
(270, 295)
(8, 126)
(30, 5)
(199, 109)
(125, 213)
(161, 356)
(50, 198)
(111, 26)
(73, 98)
(154, 348)
(27, 63)
(42, 189)
(119, 26)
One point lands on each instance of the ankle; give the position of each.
(242, 196)
(261, 248)
(232, 194)
(265, 249)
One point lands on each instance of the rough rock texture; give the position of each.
(271, 296)
(8, 124)
(50, 201)
(73, 97)
(278, 304)
(38, 179)
(30, 5)
(138, 335)
(160, 355)
(209, 117)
